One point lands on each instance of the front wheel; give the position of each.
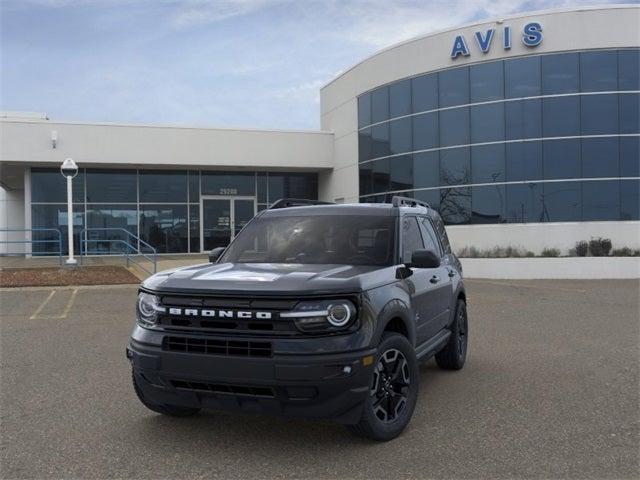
(454, 354)
(393, 392)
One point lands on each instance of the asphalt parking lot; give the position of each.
(550, 390)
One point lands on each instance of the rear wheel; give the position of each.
(393, 391)
(170, 410)
(454, 354)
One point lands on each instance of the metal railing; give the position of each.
(130, 247)
(33, 241)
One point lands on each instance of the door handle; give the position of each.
(435, 279)
(452, 273)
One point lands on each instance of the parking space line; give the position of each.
(42, 305)
(65, 312)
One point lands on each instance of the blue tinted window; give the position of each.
(629, 70)
(112, 217)
(194, 226)
(487, 81)
(524, 203)
(364, 110)
(629, 113)
(117, 186)
(630, 156)
(380, 105)
(400, 98)
(366, 178)
(601, 200)
(488, 204)
(561, 116)
(455, 166)
(163, 186)
(400, 135)
(599, 71)
(523, 161)
(194, 186)
(487, 123)
(424, 91)
(523, 119)
(53, 216)
(401, 174)
(600, 157)
(561, 159)
(455, 205)
(432, 197)
(425, 131)
(454, 87)
(487, 164)
(364, 144)
(48, 185)
(522, 77)
(560, 73)
(380, 141)
(599, 114)
(381, 170)
(426, 169)
(562, 202)
(630, 200)
(454, 127)
(165, 227)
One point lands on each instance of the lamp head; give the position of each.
(69, 169)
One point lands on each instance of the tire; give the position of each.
(169, 410)
(393, 392)
(454, 354)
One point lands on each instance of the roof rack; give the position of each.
(397, 201)
(296, 202)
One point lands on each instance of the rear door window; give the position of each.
(429, 236)
(411, 238)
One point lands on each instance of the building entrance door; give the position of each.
(221, 218)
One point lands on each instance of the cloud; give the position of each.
(191, 13)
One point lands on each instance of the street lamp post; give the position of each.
(69, 169)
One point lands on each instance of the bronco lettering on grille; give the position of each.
(241, 314)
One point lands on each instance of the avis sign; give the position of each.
(531, 37)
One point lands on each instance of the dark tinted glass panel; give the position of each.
(524, 203)
(401, 172)
(523, 119)
(400, 98)
(487, 81)
(366, 178)
(411, 238)
(454, 127)
(488, 204)
(381, 170)
(400, 135)
(380, 105)
(522, 77)
(561, 116)
(111, 186)
(194, 228)
(52, 216)
(455, 166)
(425, 131)
(455, 205)
(429, 236)
(424, 92)
(630, 156)
(364, 144)
(115, 218)
(223, 183)
(599, 114)
(599, 71)
(293, 185)
(560, 73)
(629, 70)
(487, 164)
(261, 185)
(426, 168)
(454, 87)
(48, 185)
(629, 113)
(165, 227)
(523, 161)
(562, 202)
(432, 197)
(601, 200)
(364, 110)
(194, 186)
(630, 199)
(600, 157)
(380, 141)
(487, 123)
(561, 159)
(164, 186)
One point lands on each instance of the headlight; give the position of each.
(147, 309)
(322, 316)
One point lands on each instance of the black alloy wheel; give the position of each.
(390, 388)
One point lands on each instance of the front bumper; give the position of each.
(332, 386)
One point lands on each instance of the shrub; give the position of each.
(600, 247)
(625, 252)
(550, 252)
(582, 248)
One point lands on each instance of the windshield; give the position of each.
(343, 239)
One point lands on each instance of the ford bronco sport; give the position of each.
(314, 310)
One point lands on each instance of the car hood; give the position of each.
(270, 279)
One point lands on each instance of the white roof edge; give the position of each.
(612, 6)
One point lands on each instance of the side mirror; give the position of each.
(215, 254)
(425, 259)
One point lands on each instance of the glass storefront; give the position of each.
(543, 138)
(161, 207)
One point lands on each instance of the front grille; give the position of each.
(210, 346)
(221, 388)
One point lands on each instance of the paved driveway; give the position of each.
(550, 390)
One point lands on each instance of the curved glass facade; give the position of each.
(541, 138)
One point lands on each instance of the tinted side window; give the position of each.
(442, 233)
(411, 238)
(429, 236)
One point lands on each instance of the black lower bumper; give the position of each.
(332, 386)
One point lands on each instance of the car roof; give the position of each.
(372, 209)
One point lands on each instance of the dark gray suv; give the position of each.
(314, 310)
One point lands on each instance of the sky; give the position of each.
(219, 63)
